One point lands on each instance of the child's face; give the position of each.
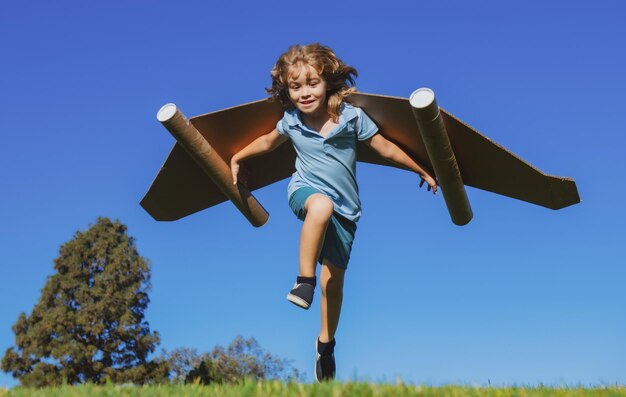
(307, 90)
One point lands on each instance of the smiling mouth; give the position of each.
(306, 102)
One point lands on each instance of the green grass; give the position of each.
(331, 389)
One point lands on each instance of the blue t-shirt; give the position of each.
(329, 163)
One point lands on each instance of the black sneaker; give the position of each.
(324, 361)
(301, 295)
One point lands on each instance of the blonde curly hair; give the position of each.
(338, 76)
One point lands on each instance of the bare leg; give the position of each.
(331, 282)
(319, 209)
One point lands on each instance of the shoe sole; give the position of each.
(315, 364)
(298, 301)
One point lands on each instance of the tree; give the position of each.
(181, 361)
(88, 324)
(244, 358)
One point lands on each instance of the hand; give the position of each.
(432, 183)
(234, 167)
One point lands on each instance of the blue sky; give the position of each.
(521, 295)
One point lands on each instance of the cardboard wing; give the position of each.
(183, 187)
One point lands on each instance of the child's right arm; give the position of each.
(263, 144)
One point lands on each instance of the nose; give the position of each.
(306, 92)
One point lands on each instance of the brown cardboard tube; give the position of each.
(211, 163)
(437, 143)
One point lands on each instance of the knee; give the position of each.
(320, 207)
(333, 287)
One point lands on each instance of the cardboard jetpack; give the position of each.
(196, 174)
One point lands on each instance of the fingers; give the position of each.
(235, 170)
(430, 186)
(241, 175)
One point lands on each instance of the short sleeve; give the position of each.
(282, 127)
(366, 126)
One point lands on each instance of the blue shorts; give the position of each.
(339, 234)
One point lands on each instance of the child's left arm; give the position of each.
(392, 152)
